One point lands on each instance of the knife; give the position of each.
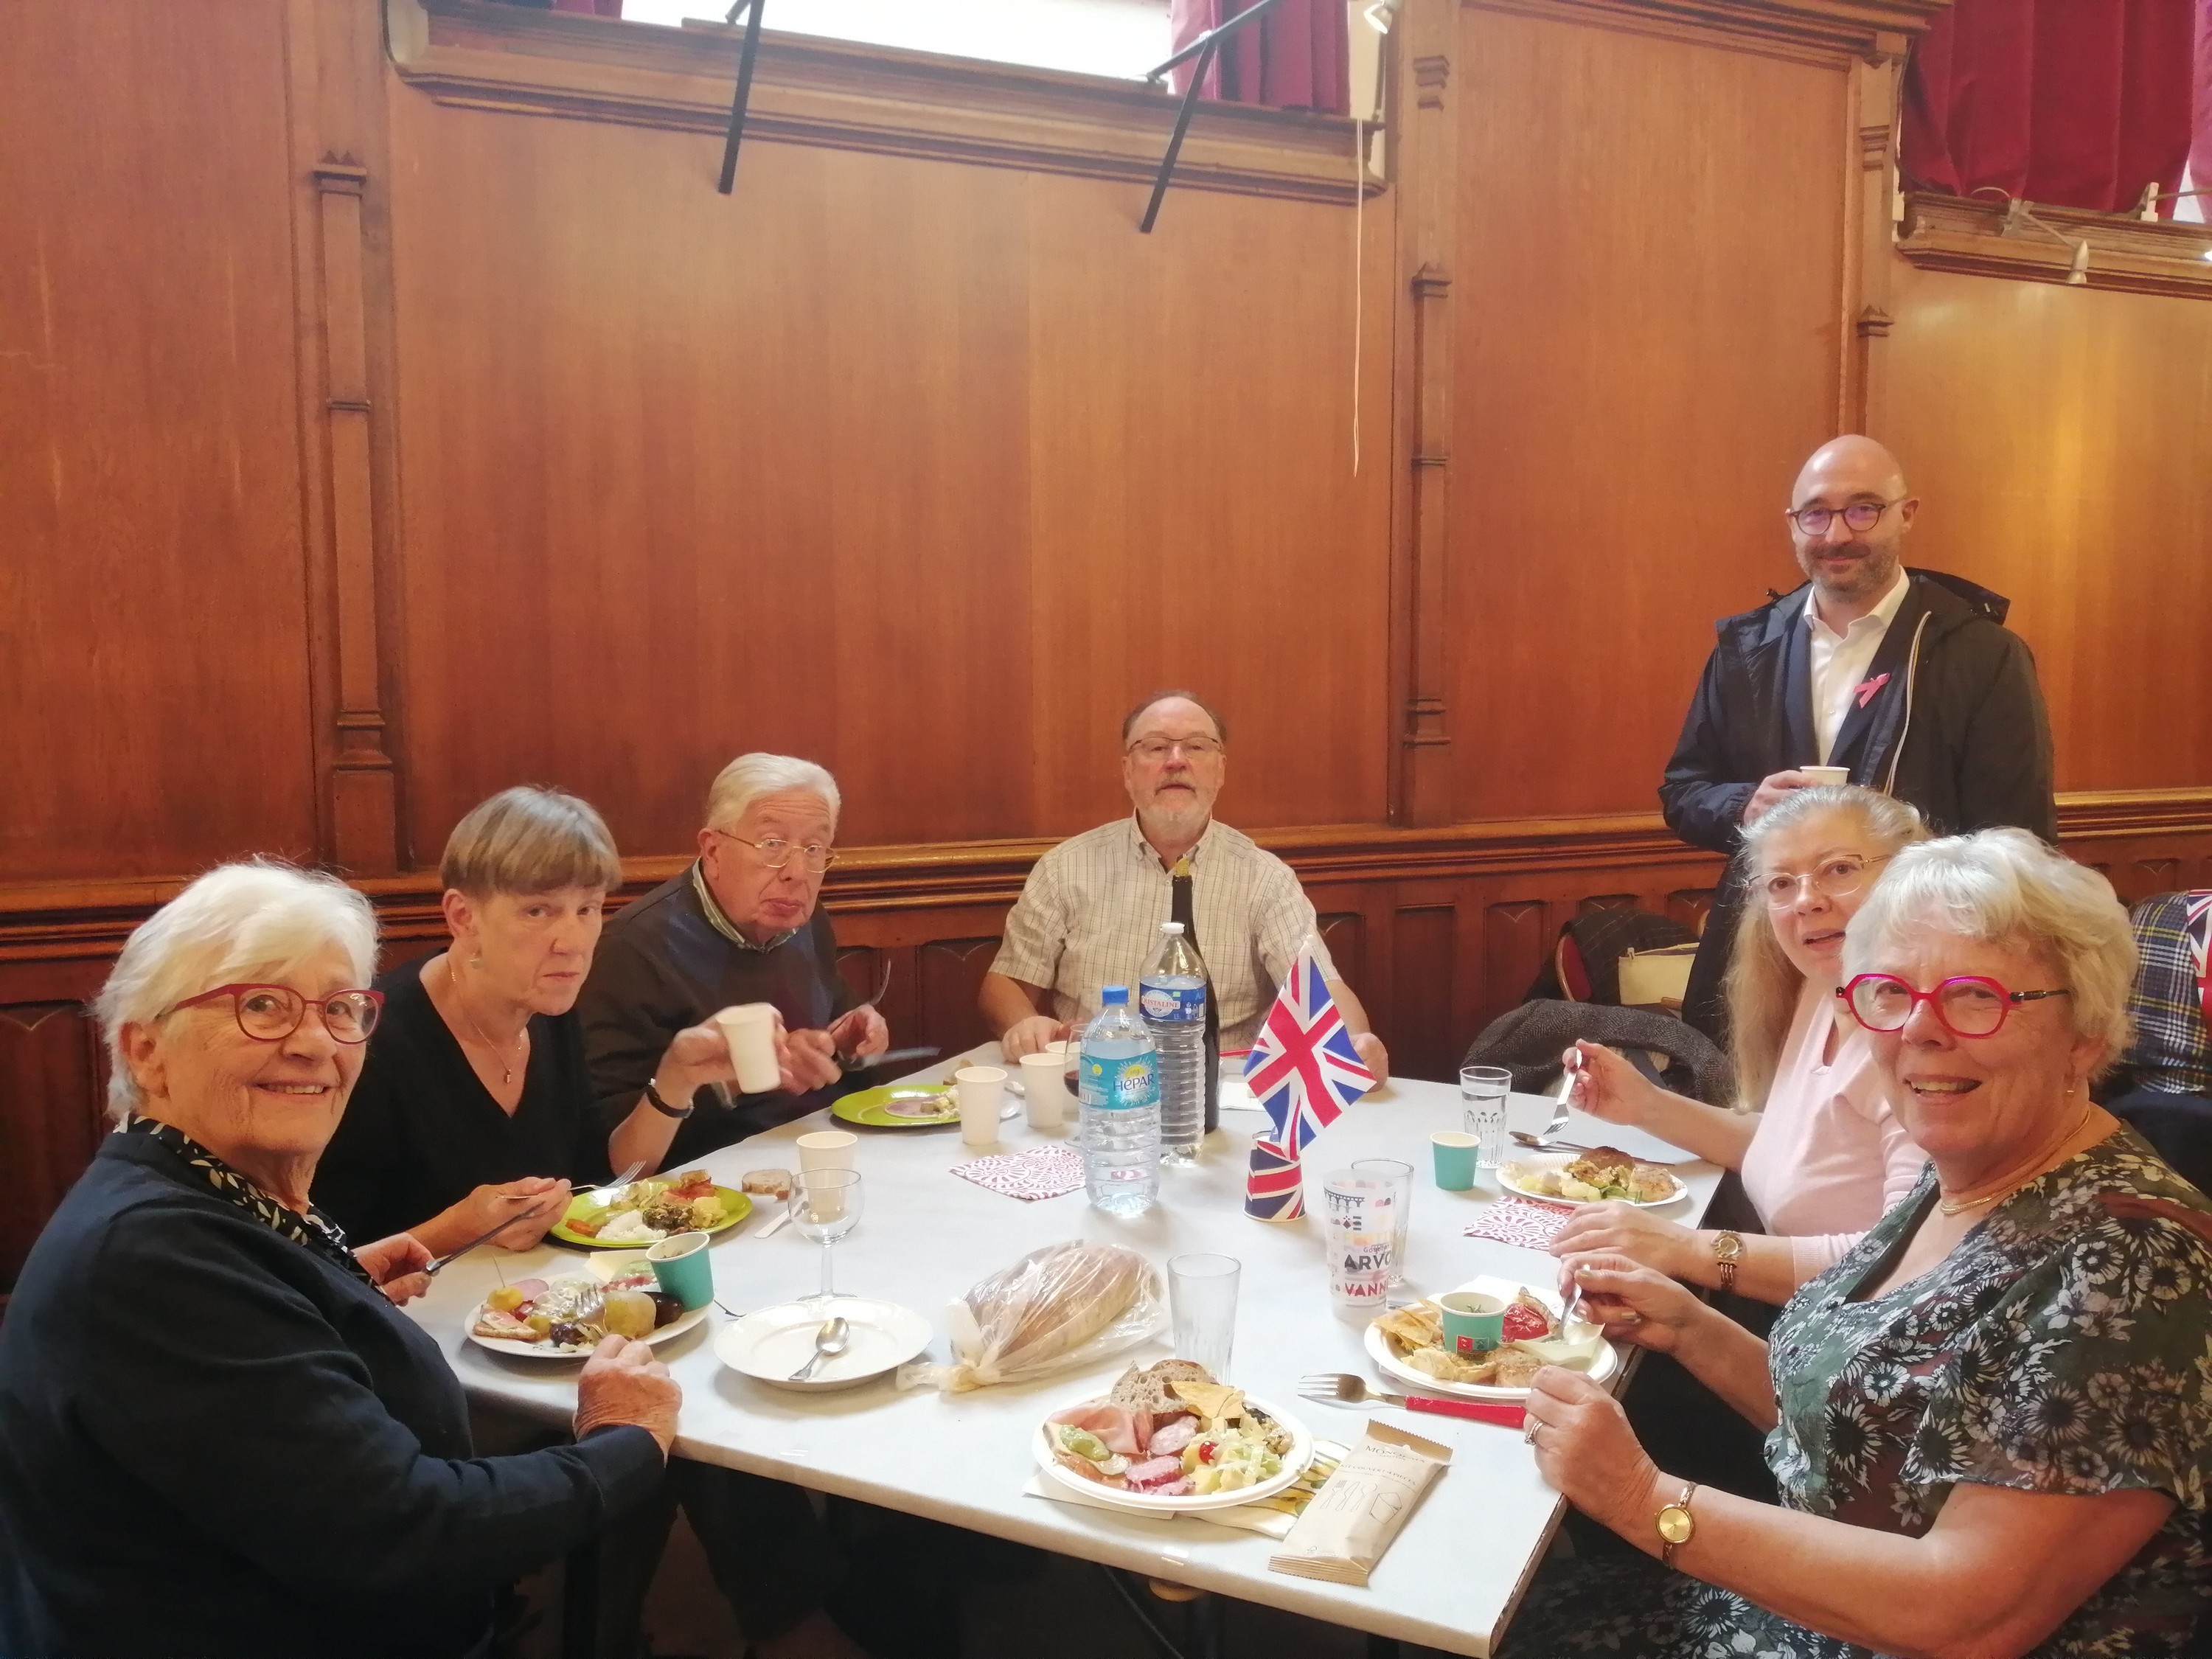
(452, 1256)
(889, 1057)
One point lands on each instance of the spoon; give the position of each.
(1545, 1143)
(829, 1342)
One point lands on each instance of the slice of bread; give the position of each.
(1146, 1388)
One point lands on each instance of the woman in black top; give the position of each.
(217, 1435)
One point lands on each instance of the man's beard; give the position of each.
(1186, 812)
(1866, 578)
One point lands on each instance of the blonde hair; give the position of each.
(1763, 985)
(259, 920)
(528, 840)
(749, 777)
(2005, 887)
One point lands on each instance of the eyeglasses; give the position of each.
(269, 1013)
(1969, 1006)
(1859, 515)
(775, 851)
(1156, 750)
(1837, 878)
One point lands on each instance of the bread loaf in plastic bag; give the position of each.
(1063, 1308)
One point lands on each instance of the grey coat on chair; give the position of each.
(1528, 1041)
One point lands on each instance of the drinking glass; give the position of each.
(825, 1205)
(1202, 1293)
(1401, 1177)
(1357, 1226)
(1484, 1088)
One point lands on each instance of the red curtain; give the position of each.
(1298, 56)
(2079, 103)
(2200, 147)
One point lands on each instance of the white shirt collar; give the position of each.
(1875, 621)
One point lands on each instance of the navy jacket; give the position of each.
(215, 1441)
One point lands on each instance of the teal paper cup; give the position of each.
(1473, 1323)
(679, 1262)
(1453, 1152)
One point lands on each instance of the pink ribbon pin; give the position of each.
(1868, 688)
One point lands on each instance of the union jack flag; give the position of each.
(2199, 928)
(1303, 1068)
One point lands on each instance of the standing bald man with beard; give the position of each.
(1907, 678)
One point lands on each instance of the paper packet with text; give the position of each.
(1352, 1519)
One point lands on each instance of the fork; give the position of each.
(613, 1190)
(1344, 1388)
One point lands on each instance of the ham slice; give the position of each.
(1171, 1437)
(1114, 1425)
(1151, 1476)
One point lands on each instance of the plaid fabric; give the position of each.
(1089, 916)
(2173, 1054)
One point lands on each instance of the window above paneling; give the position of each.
(1122, 37)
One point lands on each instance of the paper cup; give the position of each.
(982, 1089)
(1042, 1078)
(827, 1149)
(1827, 774)
(679, 1262)
(1454, 1153)
(750, 1029)
(1473, 1322)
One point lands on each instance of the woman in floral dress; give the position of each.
(1991, 1421)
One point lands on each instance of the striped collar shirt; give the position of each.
(1089, 916)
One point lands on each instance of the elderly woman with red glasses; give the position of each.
(1991, 1420)
(217, 1433)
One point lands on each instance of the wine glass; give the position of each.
(825, 1205)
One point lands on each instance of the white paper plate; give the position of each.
(1560, 1161)
(769, 1345)
(1384, 1352)
(542, 1351)
(1294, 1465)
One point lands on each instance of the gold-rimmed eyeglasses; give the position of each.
(775, 851)
(1837, 878)
(1156, 750)
(269, 1013)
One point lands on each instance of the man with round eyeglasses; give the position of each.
(1907, 679)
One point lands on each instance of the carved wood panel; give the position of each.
(52, 1080)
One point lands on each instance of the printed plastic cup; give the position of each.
(1483, 1088)
(1453, 1152)
(982, 1090)
(827, 1149)
(1401, 1177)
(1473, 1322)
(680, 1263)
(1359, 1218)
(750, 1029)
(1202, 1296)
(1043, 1080)
(1827, 774)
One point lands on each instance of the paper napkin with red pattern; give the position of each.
(1518, 1221)
(1039, 1172)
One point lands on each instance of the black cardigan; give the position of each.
(215, 1441)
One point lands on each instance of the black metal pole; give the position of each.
(1175, 144)
(1199, 45)
(744, 89)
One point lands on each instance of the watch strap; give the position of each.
(1668, 1545)
(653, 1097)
(1727, 1248)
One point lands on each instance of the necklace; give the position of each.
(1960, 1206)
(453, 988)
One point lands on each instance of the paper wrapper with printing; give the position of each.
(1274, 1190)
(1352, 1519)
(1064, 1307)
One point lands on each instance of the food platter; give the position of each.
(1524, 1176)
(1386, 1355)
(1294, 1463)
(769, 1345)
(736, 1206)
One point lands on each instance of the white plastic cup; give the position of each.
(1043, 1080)
(982, 1090)
(1826, 774)
(827, 1149)
(750, 1029)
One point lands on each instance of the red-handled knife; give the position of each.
(1506, 1416)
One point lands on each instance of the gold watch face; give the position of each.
(1675, 1525)
(1728, 1246)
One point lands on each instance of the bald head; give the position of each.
(1850, 567)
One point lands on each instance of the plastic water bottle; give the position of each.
(1121, 1109)
(1172, 996)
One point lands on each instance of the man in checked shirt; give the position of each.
(1090, 911)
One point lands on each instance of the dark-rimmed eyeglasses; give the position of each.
(1156, 750)
(1859, 516)
(775, 851)
(269, 1013)
(1838, 877)
(1969, 1006)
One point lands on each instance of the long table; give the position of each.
(1457, 1572)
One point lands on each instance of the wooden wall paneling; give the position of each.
(52, 1084)
(1869, 192)
(1424, 1034)
(1646, 346)
(153, 651)
(951, 973)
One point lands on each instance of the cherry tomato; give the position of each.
(1206, 1452)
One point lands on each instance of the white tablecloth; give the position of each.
(1456, 1571)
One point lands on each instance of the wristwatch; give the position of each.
(1677, 1526)
(1728, 1250)
(653, 1097)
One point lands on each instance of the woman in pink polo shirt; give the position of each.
(1822, 1154)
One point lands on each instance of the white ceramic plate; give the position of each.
(1511, 1182)
(1384, 1352)
(769, 1345)
(1294, 1465)
(544, 1351)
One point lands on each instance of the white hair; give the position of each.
(749, 777)
(2005, 887)
(260, 919)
